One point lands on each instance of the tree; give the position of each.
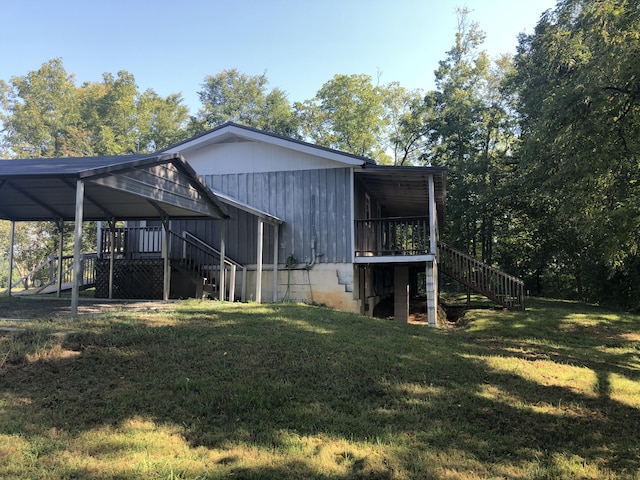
(469, 129)
(122, 120)
(45, 114)
(405, 118)
(231, 96)
(580, 119)
(347, 114)
(38, 111)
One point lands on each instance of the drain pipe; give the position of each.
(310, 265)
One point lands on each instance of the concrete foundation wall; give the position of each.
(330, 284)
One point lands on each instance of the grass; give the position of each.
(205, 390)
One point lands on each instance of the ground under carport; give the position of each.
(20, 308)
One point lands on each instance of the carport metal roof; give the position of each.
(115, 187)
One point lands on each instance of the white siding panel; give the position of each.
(253, 157)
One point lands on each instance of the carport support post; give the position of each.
(12, 238)
(165, 256)
(60, 253)
(112, 254)
(221, 284)
(276, 228)
(259, 261)
(77, 249)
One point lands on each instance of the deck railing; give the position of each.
(392, 236)
(133, 242)
(44, 277)
(187, 252)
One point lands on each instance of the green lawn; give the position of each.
(211, 390)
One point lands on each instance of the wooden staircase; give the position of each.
(484, 279)
(200, 263)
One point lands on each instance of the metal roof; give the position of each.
(404, 191)
(232, 202)
(115, 187)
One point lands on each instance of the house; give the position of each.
(286, 221)
(318, 225)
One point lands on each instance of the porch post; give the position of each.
(259, 261)
(433, 222)
(77, 248)
(221, 284)
(166, 287)
(276, 228)
(432, 267)
(99, 239)
(352, 214)
(12, 238)
(60, 253)
(112, 255)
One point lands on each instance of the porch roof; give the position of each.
(116, 187)
(404, 191)
(232, 202)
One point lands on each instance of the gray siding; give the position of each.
(289, 196)
(300, 198)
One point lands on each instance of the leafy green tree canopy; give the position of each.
(347, 114)
(580, 119)
(46, 114)
(232, 96)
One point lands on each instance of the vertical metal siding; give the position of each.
(287, 195)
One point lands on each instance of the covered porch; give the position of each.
(398, 215)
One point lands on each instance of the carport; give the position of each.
(106, 188)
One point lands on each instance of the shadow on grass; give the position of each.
(238, 375)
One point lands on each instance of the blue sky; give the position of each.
(171, 46)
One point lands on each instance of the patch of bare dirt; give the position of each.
(417, 311)
(21, 308)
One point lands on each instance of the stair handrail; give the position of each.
(504, 295)
(204, 244)
(232, 265)
(477, 262)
